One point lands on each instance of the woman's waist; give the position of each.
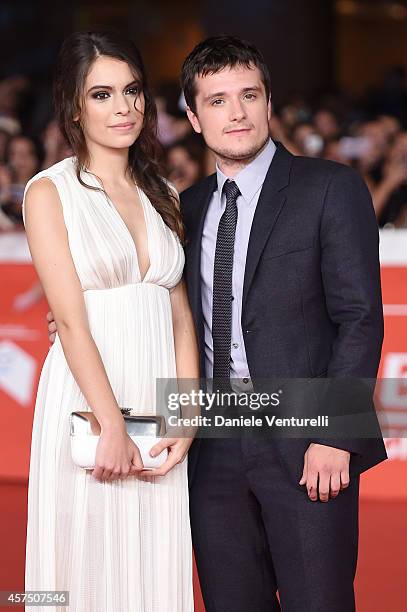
(128, 307)
(140, 296)
(130, 288)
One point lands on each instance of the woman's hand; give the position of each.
(117, 456)
(52, 328)
(177, 451)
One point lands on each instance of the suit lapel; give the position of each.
(193, 252)
(269, 206)
(195, 241)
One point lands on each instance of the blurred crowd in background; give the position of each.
(369, 133)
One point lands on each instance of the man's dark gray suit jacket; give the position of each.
(312, 302)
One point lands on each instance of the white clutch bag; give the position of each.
(145, 431)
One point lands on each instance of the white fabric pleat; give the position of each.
(123, 546)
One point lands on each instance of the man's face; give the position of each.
(232, 112)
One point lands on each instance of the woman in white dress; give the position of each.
(105, 235)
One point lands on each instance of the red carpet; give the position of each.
(381, 576)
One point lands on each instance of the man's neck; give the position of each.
(232, 167)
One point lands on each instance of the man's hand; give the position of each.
(326, 470)
(52, 328)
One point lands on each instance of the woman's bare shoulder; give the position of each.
(41, 192)
(47, 179)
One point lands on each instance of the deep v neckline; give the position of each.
(112, 205)
(140, 197)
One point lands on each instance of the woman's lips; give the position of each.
(123, 126)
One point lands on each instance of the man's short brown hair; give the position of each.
(216, 53)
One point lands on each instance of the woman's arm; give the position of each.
(48, 242)
(186, 346)
(187, 364)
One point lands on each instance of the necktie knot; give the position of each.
(231, 190)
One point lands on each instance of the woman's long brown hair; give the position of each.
(77, 54)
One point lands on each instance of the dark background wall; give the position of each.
(296, 38)
(310, 45)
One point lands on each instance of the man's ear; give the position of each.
(193, 120)
(269, 109)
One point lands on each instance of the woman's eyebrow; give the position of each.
(135, 82)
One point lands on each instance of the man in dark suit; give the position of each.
(283, 279)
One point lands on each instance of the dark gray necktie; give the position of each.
(222, 286)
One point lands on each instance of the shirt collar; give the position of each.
(251, 178)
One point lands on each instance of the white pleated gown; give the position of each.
(123, 546)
